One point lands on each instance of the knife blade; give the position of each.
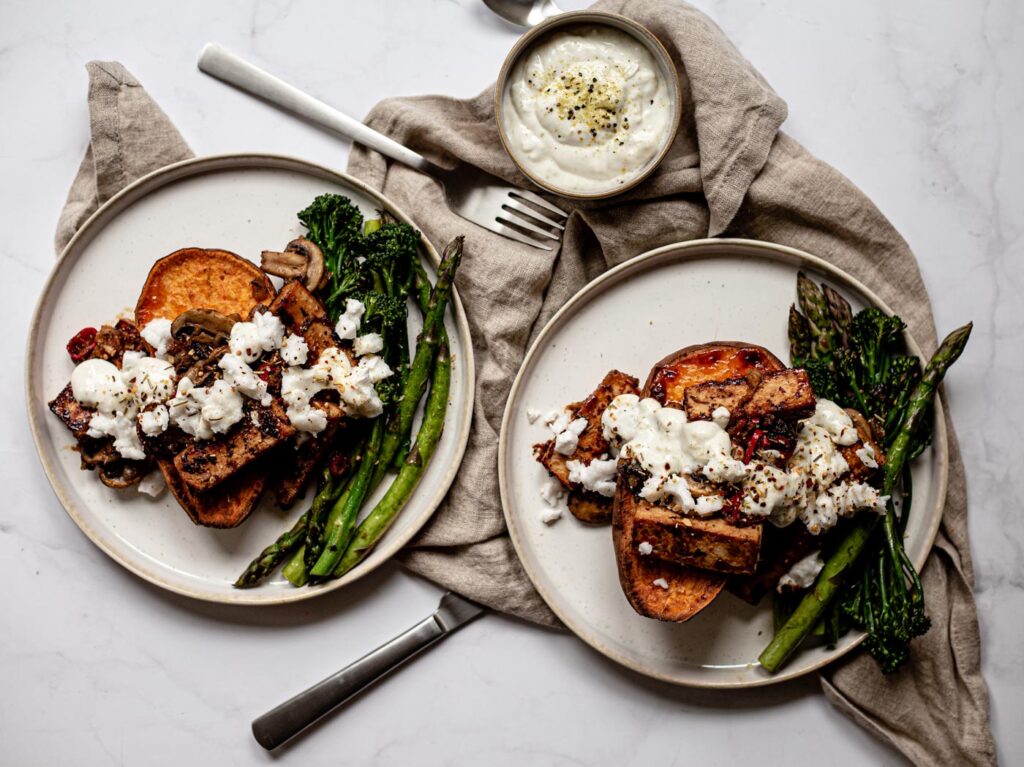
(287, 720)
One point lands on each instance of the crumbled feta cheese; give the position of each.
(249, 340)
(802, 574)
(376, 368)
(723, 468)
(645, 548)
(598, 476)
(720, 417)
(766, 488)
(295, 350)
(557, 420)
(120, 426)
(354, 384)
(568, 440)
(836, 421)
(157, 333)
(298, 386)
(866, 455)
(551, 490)
(155, 421)
(348, 324)
(661, 583)
(532, 415)
(244, 379)
(550, 516)
(371, 343)
(842, 500)
(333, 370)
(153, 484)
(676, 489)
(202, 412)
(222, 408)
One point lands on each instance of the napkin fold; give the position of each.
(129, 136)
(730, 172)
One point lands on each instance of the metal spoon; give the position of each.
(525, 13)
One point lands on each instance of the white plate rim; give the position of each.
(110, 209)
(689, 250)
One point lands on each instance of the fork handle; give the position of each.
(291, 717)
(219, 62)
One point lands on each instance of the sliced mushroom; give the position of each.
(203, 325)
(97, 452)
(300, 260)
(123, 474)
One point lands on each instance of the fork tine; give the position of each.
(526, 224)
(507, 231)
(531, 215)
(536, 199)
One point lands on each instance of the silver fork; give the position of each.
(515, 213)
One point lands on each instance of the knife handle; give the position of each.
(221, 63)
(294, 715)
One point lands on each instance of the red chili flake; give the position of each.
(753, 444)
(731, 507)
(81, 344)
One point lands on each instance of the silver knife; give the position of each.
(293, 716)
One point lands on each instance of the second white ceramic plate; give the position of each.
(245, 204)
(629, 318)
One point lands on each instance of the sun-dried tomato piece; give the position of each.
(81, 344)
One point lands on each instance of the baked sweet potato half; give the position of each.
(202, 278)
(644, 578)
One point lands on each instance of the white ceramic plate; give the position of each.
(241, 203)
(629, 318)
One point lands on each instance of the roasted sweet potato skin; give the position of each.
(202, 278)
(689, 590)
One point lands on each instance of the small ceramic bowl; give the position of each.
(593, 18)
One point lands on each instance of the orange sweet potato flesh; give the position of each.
(689, 591)
(201, 278)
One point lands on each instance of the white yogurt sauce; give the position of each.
(586, 109)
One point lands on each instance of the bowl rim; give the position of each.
(616, 21)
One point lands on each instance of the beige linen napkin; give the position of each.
(731, 172)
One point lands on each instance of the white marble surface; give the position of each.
(920, 103)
